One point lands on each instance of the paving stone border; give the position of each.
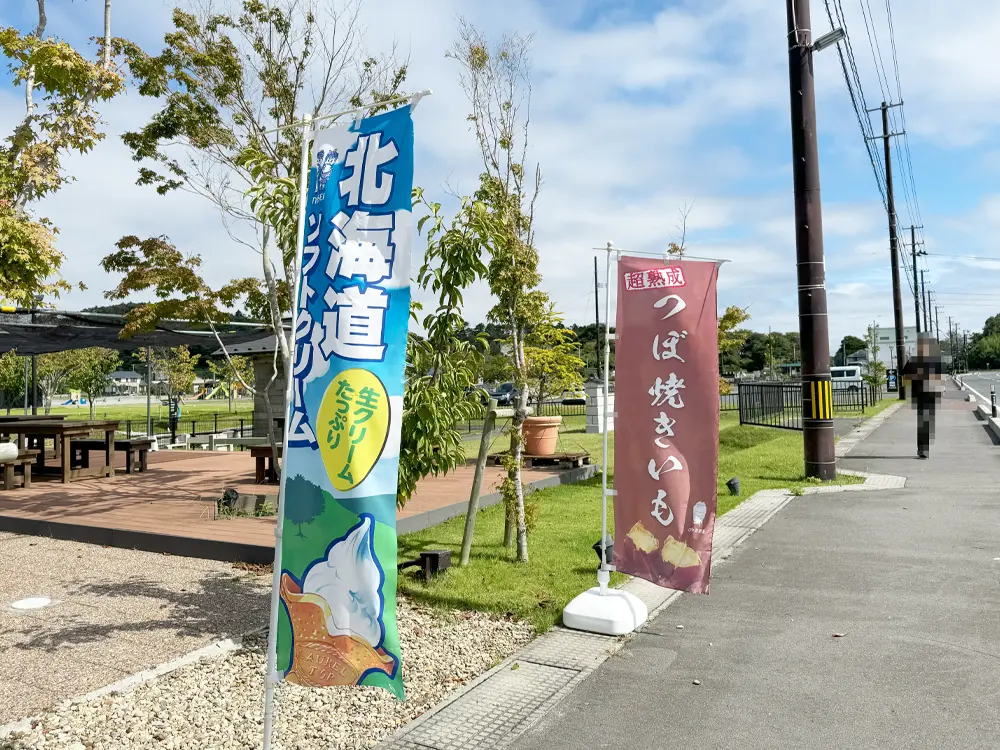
(502, 704)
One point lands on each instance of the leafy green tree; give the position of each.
(550, 354)
(985, 353)
(441, 365)
(496, 368)
(91, 369)
(62, 91)
(991, 327)
(849, 345)
(11, 378)
(731, 340)
(875, 370)
(175, 368)
(496, 82)
(304, 502)
(54, 371)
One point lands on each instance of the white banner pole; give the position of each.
(604, 572)
(271, 677)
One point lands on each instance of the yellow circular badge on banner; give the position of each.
(352, 426)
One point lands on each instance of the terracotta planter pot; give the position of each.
(541, 435)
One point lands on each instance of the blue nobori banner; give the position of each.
(337, 624)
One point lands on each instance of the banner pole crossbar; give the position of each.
(308, 120)
(661, 254)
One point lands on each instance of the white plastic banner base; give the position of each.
(617, 612)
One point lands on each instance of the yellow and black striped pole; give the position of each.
(819, 403)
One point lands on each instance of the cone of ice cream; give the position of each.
(336, 614)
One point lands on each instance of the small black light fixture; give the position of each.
(609, 549)
(734, 486)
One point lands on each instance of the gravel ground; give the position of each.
(218, 703)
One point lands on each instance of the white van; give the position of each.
(846, 378)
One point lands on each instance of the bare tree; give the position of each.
(496, 81)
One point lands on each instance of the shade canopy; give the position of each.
(44, 331)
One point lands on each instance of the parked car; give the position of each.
(574, 397)
(505, 394)
(846, 378)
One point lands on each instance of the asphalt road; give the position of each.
(979, 383)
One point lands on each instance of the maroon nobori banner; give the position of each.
(667, 404)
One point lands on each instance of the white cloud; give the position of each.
(631, 119)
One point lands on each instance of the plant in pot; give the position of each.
(552, 367)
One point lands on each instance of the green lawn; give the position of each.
(189, 410)
(562, 563)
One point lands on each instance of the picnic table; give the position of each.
(29, 417)
(63, 432)
(264, 457)
(36, 443)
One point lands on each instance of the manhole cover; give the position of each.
(32, 602)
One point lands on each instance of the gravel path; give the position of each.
(218, 703)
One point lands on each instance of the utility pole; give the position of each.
(937, 322)
(927, 301)
(916, 289)
(897, 298)
(597, 321)
(814, 328)
(951, 345)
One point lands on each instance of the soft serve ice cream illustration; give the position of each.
(336, 613)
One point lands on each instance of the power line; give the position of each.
(994, 259)
(856, 91)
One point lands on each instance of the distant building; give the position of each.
(859, 357)
(886, 345)
(125, 383)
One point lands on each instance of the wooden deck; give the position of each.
(165, 508)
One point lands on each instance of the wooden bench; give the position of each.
(24, 459)
(136, 452)
(264, 458)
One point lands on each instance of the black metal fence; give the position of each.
(779, 404)
(770, 404)
(233, 425)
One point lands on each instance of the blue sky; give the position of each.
(638, 109)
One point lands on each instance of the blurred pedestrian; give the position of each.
(924, 374)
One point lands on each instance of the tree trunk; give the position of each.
(517, 441)
(515, 474)
(107, 34)
(90, 403)
(508, 523)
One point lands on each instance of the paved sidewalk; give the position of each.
(909, 578)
